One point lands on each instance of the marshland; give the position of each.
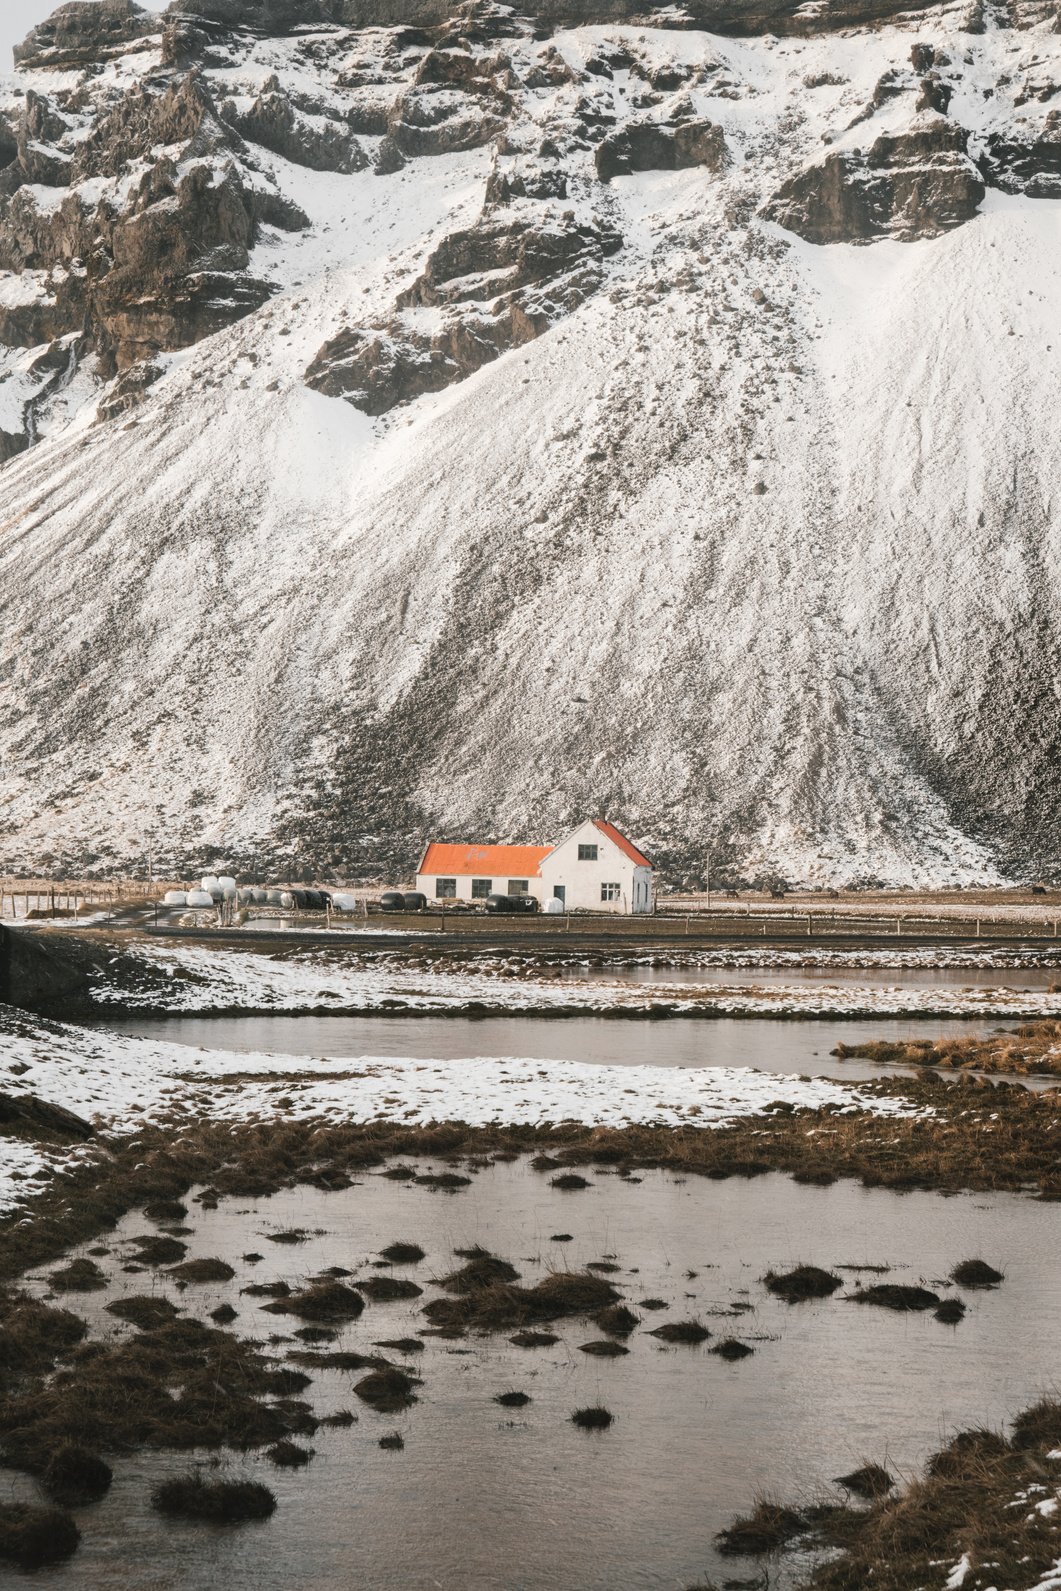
(504, 1301)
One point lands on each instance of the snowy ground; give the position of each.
(203, 980)
(123, 1082)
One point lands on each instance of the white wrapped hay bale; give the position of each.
(209, 884)
(200, 897)
(175, 897)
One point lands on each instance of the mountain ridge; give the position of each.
(522, 449)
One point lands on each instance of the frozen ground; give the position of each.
(122, 1082)
(187, 978)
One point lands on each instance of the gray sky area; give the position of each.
(18, 16)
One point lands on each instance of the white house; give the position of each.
(595, 869)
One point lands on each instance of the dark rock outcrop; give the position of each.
(657, 146)
(275, 122)
(1030, 165)
(78, 34)
(914, 184)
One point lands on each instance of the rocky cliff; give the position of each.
(456, 419)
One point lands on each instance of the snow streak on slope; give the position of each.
(758, 546)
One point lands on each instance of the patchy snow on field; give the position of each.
(205, 980)
(122, 1082)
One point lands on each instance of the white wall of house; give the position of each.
(606, 881)
(428, 882)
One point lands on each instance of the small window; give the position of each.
(587, 853)
(609, 892)
(481, 888)
(445, 889)
(518, 886)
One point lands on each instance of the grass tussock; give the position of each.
(690, 1331)
(144, 1311)
(388, 1389)
(902, 1297)
(323, 1301)
(617, 1320)
(288, 1455)
(192, 1496)
(1033, 1050)
(976, 1273)
(33, 1337)
(388, 1289)
(803, 1283)
(203, 1271)
(869, 1481)
(403, 1253)
(482, 1270)
(733, 1349)
(80, 1276)
(74, 1477)
(534, 1339)
(605, 1349)
(503, 1305)
(767, 1528)
(393, 1442)
(156, 1250)
(32, 1537)
(978, 1137)
(595, 1417)
(950, 1312)
(164, 1211)
(975, 1501)
(513, 1400)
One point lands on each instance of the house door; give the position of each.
(560, 893)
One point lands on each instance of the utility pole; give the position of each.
(707, 872)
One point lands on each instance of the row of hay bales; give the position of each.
(214, 891)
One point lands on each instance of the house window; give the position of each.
(560, 893)
(587, 853)
(518, 886)
(481, 888)
(609, 892)
(445, 889)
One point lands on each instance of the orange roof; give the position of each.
(637, 857)
(483, 861)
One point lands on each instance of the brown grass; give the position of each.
(33, 1537)
(403, 1253)
(501, 1306)
(902, 1297)
(964, 1504)
(690, 1331)
(1033, 1050)
(220, 1502)
(80, 1276)
(593, 1418)
(802, 1283)
(976, 1273)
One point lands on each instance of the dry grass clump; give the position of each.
(191, 1496)
(482, 1270)
(870, 1481)
(534, 1339)
(224, 1314)
(768, 1527)
(181, 1385)
(156, 1250)
(165, 1210)
(595, 1417)
(504, 1305)
(950, 1311)
(617, 1320)
(802, 1283)
(976, 1273)
(1031, 1050)
(898, 1296)
(570, 1182)
(32, 1536)
(393, 1442)
(144, 1311)
(387, 1289)
(403, 1253)
(288, 1455)
(513, 1400)
(605, 1349)
(33, 1336)
(321, 1301)
(976, 1499)
(80, 1276)
(732, 1348)
(202, 1271)
(401, 1344)
(654, 1303)
(387, 1389)
(73, 1476)
(691, 1331)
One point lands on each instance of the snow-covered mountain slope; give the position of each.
(489, 438)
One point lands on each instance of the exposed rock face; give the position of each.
(908, 185)
(1031, 165)
(501, 283)
(654, 146)
(646, 509)
(79, 34)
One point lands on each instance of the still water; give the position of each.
(478, 1501)
(762, 1042)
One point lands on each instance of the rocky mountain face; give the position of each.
(446, 418)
